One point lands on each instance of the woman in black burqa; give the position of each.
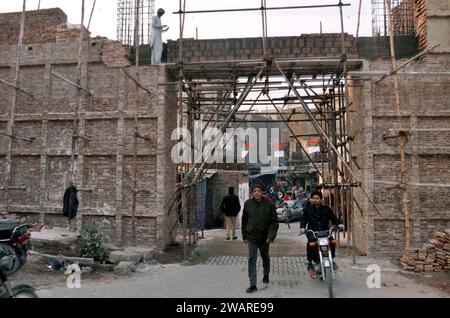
(70, 202)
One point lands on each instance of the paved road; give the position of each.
(223, 274)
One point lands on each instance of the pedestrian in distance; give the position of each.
(259, 229)
(287, 213)
(231, 207)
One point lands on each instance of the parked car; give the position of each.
(295, 207)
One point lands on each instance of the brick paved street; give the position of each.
(223, 275)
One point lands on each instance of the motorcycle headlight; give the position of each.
(324, 249)
(323, 242)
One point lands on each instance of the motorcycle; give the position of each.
(14, 244)
(9, 291)
(325, 268)
(14, 240)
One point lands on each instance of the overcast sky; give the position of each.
(218, 25)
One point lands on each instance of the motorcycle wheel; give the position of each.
(329, 279)
(23, 291)
(7, 250)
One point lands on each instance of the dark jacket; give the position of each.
(230, 205)
(259, 221)
(317, 219)
(70, 202)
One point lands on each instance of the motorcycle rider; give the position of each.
(317, 217)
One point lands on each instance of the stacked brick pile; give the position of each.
(432, 257)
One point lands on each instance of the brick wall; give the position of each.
(306, 45)
(424, 110)
(40, 26)
(104, 162)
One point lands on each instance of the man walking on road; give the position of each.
(230, 207)
(259, 229)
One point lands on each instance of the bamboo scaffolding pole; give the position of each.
(136, 124)
(264, 27)
(325, 120)
(297, 140)
(402, 139)
(341, 145)
(189, 195)
(231, 115)
(409, 73)
(201, 174)
(73, 83)
(92, 12)
(11, 122)
(325, 114)
(359, 18)
(333, 114)
(222, 128)
(415, 57)
(321, 131)
(18, 137)
(221, 105)
(75, 127)
(16, 87)
(320, 62)
(136, 82)
(414, 184)
(266, 121)
(14, 188)
(78, 96)
(184, 203)
(258, 9)
(347, 122)
(238, 84)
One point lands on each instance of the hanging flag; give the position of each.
(246, 150)
(279, 151)
(313, 146)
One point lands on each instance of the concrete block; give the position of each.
(125, 256)
(145, 253)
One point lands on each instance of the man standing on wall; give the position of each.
(259, 229)
(157, 43)
(230, 207)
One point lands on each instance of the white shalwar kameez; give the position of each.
(157, 43)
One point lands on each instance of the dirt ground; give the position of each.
(36, 273)
(439, 280)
